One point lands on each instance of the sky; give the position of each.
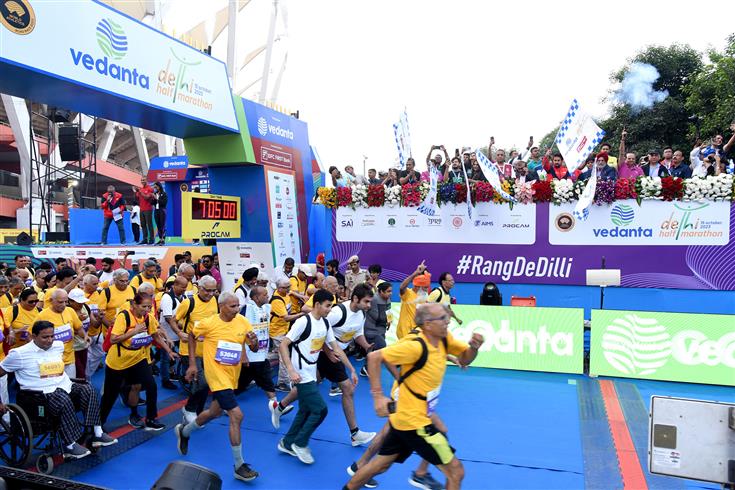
(465, 70)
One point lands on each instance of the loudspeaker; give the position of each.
(59, 115)
(57, 236)
(12, 479)
(23, 239)
(181, 474)
(69, 145)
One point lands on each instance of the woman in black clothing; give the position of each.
(160, 212)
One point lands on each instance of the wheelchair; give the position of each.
(27, 426)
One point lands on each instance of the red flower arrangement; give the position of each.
(672, 188)
(483, 192)
(542, 191)
(410, 195)
(376, 195)
(344, 196)
(625, 189)
(461, 190)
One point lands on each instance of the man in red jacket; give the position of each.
(113, 206)
(145, 201)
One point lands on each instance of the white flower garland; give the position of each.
(359, 196)
(392, 196)
(650, 188)
(710, 188)
(563, 191)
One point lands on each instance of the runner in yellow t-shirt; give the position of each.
(442, 294)
(148, 275)
(188, 315)
(20, 318)
(66, 325)
(127, 362)
(298, 288)
(281, 318)
(114, 296)
(223, 338)
(410, 297)
(415, 397)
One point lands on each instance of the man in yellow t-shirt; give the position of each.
(416, 395)
(281, 317)
(148, 275)
(187, 271)
(330, 284)
(127, 363)
(114, 296)
(188, 315)
(66, 325)
(20, 318)
(442, 294)
(298, 288)
(223, 337)
(410, 297)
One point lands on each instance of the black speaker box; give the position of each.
(23, 239)
(69, 145)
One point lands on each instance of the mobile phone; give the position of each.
(392, 407)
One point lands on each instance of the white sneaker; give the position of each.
(362, 438)
(188, 417)
(282, 447)
(275, 413)
(303, 453)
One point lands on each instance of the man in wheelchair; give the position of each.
(39, 366)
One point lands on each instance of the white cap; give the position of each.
(77, 295)
(306, 269)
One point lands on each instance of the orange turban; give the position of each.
(424, 280)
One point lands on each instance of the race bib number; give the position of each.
(432, 400)
(389, 317)
(139, 340)
(347, 336)
(94, 308)
(24, 334)
(261, 331)
(316, 344)
(228, 353)
(51, 369)
(2, 336)
(85, 324)
(63, 333)
(189, 294)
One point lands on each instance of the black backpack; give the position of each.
(190, 309)
(420, 363)
(305, 335)
(343, 319)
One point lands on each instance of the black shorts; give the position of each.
(333, 371)
(225, 398)
(260, 372)
(427, 442)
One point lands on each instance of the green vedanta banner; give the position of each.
(528, 339)
(664, 346)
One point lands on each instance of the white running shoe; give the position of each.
(303, 453)
(275, 413)
(362, 438)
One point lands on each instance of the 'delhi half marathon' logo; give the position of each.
(17, 16)
(175, 82)
(113, 42)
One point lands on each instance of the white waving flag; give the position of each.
(490, 172)
(403, 139)
(428, 207)
(578, 135)
(582, 209)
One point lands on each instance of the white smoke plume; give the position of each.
(636, 89)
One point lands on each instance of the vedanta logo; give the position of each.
(622, 215)
(114, 44)
(112, 39)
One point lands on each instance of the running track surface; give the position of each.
(512, 429)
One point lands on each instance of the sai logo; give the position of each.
(112, 39)
(262, 126)
(17, 16)
(622, 215)
(636, 346)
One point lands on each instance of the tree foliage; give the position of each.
(711, 93)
